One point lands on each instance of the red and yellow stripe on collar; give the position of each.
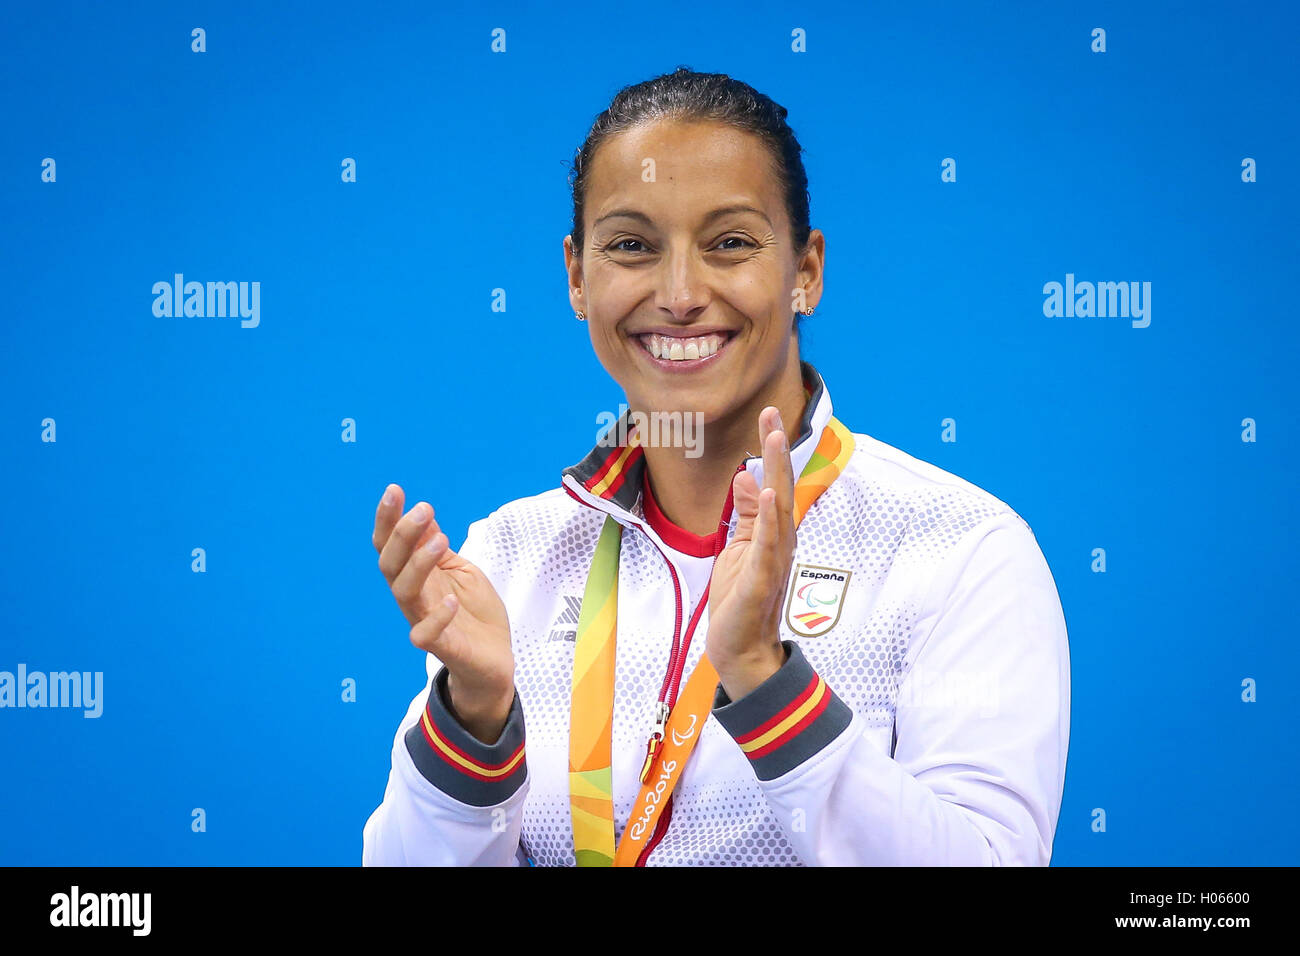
(609, 477)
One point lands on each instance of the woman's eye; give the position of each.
(743, 242)
(638, 246)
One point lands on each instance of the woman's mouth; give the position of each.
(682, 353)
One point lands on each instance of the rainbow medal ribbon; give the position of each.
(591, 720)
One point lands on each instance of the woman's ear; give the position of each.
(573, 268)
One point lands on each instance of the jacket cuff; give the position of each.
(457, 762)
(785, 720)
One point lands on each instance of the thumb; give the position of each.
(744, 497)
(436, 634)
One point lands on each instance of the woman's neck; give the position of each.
(691, 492)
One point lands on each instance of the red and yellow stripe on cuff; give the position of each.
(462, 761)
(789, 722)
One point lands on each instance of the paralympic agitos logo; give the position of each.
(816, 599)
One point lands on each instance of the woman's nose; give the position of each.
(682, 282)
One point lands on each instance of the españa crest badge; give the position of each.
(816, 599)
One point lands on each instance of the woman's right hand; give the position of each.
(455, 613)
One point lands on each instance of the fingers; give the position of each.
(773, 524)
(408, 586)
(431, 633)
(410, 531)
(767, 534)
(768, 560)
(386, 515)
(778, 475)
(744, 497)
(778, 470)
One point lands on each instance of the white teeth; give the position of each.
(683, 350)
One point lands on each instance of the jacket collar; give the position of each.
(610, 477)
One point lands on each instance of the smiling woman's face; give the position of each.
(687, 281)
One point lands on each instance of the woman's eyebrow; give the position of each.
(714, 214)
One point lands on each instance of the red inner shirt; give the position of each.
(679, 539)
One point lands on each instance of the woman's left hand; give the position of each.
(750, 575)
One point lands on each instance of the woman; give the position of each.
(822, 652)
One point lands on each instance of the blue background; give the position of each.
(222, 689)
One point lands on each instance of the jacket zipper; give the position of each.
(677, 656)
(676, 660)
(672, 681)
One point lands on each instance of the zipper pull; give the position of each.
(656, 740)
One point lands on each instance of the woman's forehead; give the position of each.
(703, 165)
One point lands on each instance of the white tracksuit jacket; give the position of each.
(943, 641)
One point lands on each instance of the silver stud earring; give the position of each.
(580, 316)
